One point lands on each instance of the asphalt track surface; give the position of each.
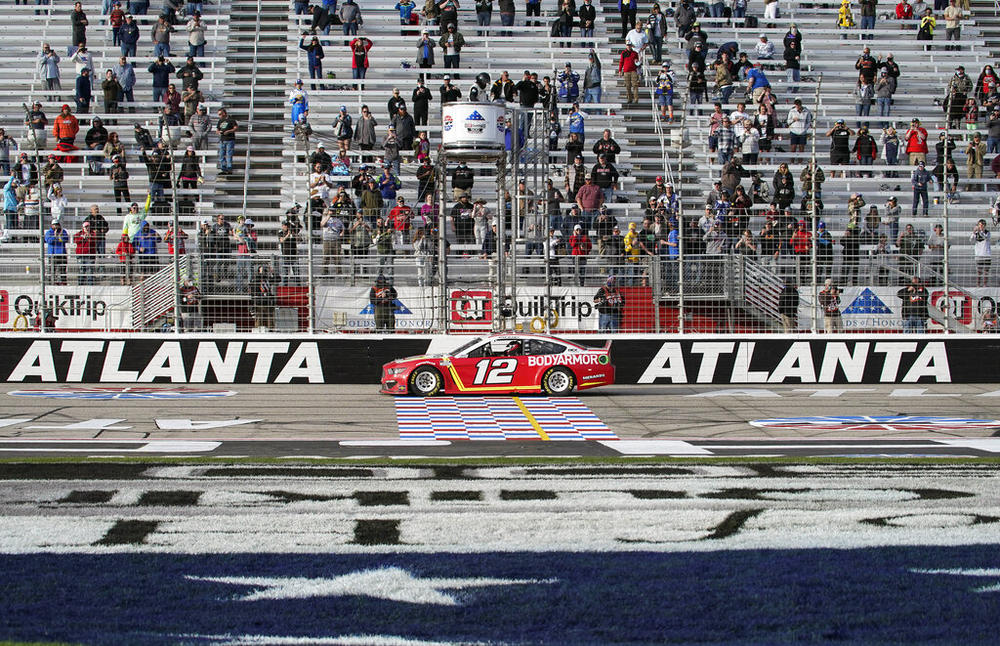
(353, 421)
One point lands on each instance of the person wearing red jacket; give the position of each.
(904, 12)
(86, 245)
(916, 142)
(126, 256)
(399, 218)
(628, 66)
(65, 128)
(359, 56)
(579, 247)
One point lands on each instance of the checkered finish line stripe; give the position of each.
(497, 418)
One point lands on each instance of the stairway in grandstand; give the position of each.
(255, 80)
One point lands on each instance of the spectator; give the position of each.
(162, 70)
(125, 74)
(569, 84)
(788, 307)
(115, 20)
(845, 17)
(919, 180)
(450, 93)
(587, 14)
(190, 74)
(981, 240)
(910, 246)
(10, 203)
(868, 9)
(925, 28)
(589, 199)
(200, 124)
(975, 157)
(111, 89)
(915, 299)
(82, 60)
(829, 300)
(196, 36)
(580, 247)
(359, 51)
(764, 49)
(656, 28)
(916, 142)
(350, 17)
(48, 69)
(128, 37)
(451, 42)
(56, 239)
(934, 256)
(627, 10)
(83, 93)
(226, 127)
(864, 95)
(126, 257)
(85, 240)
(315, 55)
(605, 176)
(953, 16)
(610, 305)
(665, 93)
(160, 35)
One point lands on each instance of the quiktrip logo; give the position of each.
(449, 122)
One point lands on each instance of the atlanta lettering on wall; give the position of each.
(358, 359)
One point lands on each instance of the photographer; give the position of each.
(981, 239)
(915, 299)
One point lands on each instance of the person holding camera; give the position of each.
(829, 300)
(915, 299)
(981, 240)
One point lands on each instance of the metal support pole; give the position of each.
(176, 260)
(812, 210)
(442, 177)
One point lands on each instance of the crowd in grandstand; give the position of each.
(358, 193)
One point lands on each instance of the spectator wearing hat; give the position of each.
(56, 239)
(343, 129)
(919, 180)
(452, 42)
(829, 300)
(840, 142)
(587, 14)
(569, 84)
(226, 126)
(86, 248)
(975, 157)
(315, 55)
(128, 36)
(449, 92)
(162, 70)
(916, 142)
(589, 199)
(580, 247)
(196, 35)
(610, 304)
(425, 50)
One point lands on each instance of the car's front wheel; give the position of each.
(558, 381)
(425, 381)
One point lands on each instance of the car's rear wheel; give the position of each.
(425, 381)
(558, 381)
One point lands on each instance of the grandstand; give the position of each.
(252, 57)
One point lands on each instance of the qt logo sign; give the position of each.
(472, 307)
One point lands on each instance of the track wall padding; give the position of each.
(358, 359)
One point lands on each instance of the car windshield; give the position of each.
(466, 346)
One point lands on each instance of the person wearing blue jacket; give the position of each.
(10, 203)
(56, 239)
(145, 247)
(569, 84)
(128, 36)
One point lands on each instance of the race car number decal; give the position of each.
(495, 371)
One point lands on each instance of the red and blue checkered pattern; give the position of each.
(497, 418)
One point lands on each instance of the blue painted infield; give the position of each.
(870, 596)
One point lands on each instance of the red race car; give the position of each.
(502, 363)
